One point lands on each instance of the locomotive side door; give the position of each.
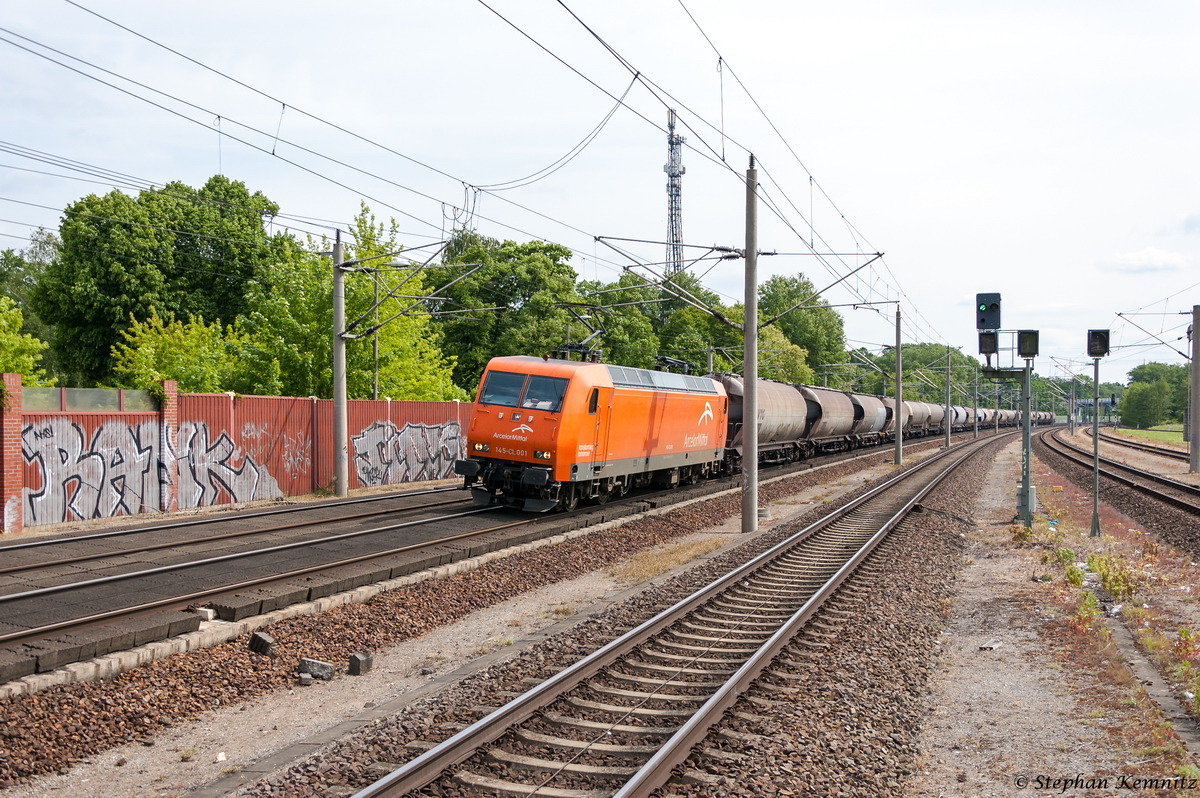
(600, 413)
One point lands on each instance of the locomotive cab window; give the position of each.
(594, 402)
(545, 393)
(502, 388)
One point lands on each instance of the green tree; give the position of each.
(817, 328)
(624, 311)
(19, 352)
(19, 276)
(1176, 379)
(924, 368)
(150, 352)
(515, 303)
(411, 362)
(780, 359)
(1145, 404)
(288, 329)
(174, 250)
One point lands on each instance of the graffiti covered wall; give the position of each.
(111, 470)
(214, 449)
(384, 455)
(215, 470)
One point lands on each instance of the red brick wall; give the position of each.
(11, 471)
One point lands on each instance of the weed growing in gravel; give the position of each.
(1186, 645)
(564, 611)
(1074, 575)
(1115, 575)
(187, 754)
(649, 564)
(1188, 772)
(1084, 616)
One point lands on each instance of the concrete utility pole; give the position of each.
(341, 462)
(1194, 404)
(1071, 410)
(375, 339)
(899, 414)
(1025, 506)
(1096, 451)
(750, 360)
(949, 412)
(975, 402)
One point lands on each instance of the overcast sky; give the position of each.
(1048, 151)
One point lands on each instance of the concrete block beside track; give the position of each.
(15, 663)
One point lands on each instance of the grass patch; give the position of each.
(649, 564)
(1156, 434)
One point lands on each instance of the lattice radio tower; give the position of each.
(675, 171)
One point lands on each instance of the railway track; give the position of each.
(1177, 494)
(76, 549)
(77, 596)
(618, 722)
(1161, 451)
(69, 605)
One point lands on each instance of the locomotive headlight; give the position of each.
(541, 455)
(481, 447)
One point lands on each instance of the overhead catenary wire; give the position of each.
(531, 235)
(284, 106)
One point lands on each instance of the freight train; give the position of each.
(546, 434)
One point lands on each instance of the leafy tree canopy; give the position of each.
(19, 351)
(1145, 404)
(150, 352)
(1175, 377)
(514, 303)
(174, 250)
(814, 326)
(282, 344)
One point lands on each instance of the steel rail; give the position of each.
(677, 748)
(41, 631)
(218, 518)
(240, 555)
(1112, 468)
(183, 544)
(428, 766)
(1161, 451)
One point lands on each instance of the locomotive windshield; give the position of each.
(520, 390)
(502, 388)
(545, 393)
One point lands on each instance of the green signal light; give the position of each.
(983, 306)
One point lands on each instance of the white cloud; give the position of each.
(1149, 261)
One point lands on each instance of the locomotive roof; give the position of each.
(621, 376)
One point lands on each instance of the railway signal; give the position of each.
(1027, 343)
(987, 321)
(1097, 343)
(987, 311)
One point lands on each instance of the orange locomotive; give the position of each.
(548, 433)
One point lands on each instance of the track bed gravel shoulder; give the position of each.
(205, 716)
(1000, 706)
